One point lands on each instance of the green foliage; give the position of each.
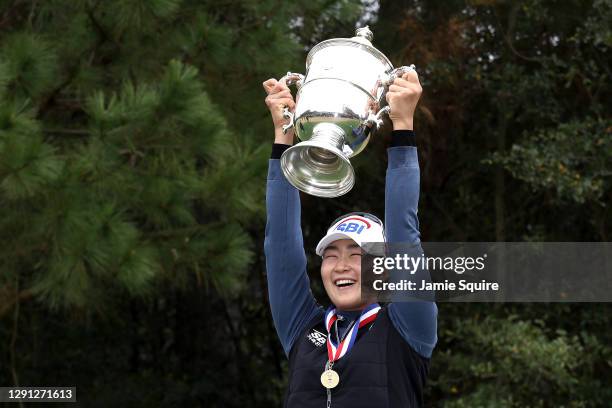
(511, 354)
(515, 144)
(133, 153)
(121, 168)
(31, 65)
(121, 206)
(27, 163)
(574, 159)
(504, 361)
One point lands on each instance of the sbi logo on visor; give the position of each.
(346, 226)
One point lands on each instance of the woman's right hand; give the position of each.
(279, 97)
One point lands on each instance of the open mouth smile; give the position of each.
(344, 283)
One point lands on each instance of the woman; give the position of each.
(355, 353)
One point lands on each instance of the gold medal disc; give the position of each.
(330, 378)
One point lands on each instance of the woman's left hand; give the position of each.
(402, 97)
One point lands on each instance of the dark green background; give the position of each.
(133, 152)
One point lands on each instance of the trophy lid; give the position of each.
(364, 35)
(362, 39)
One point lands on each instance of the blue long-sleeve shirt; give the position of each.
(291, 299)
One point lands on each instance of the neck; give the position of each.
(353, 309)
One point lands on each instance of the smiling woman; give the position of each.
(365, 343)
(341, 274)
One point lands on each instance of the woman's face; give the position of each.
(341, 274)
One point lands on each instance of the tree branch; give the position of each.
(26, 294)
(508, 34)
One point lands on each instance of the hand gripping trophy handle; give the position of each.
(291, 78)
(396, 73)
(385, 81)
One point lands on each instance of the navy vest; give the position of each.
(381, 370)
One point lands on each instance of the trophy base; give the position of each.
(319, 166)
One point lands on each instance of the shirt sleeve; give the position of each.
(416, 321)
(291, 300)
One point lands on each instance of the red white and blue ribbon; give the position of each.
(337, 351)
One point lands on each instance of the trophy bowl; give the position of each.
(339, 102)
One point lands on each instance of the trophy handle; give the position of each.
(387, 79)
(287, 114)
(291, 78)
(376, 120)
(384, 82)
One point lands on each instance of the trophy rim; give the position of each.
(318, 192)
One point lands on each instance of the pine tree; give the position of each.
(133, 154)
(130, 146)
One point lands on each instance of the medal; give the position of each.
(336, 351)
(329, 378)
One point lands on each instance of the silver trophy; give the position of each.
(339, 102)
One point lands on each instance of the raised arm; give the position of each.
(416, 321)
(291, 300)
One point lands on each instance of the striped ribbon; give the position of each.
(337, 351)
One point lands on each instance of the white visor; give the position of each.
(360, 229)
